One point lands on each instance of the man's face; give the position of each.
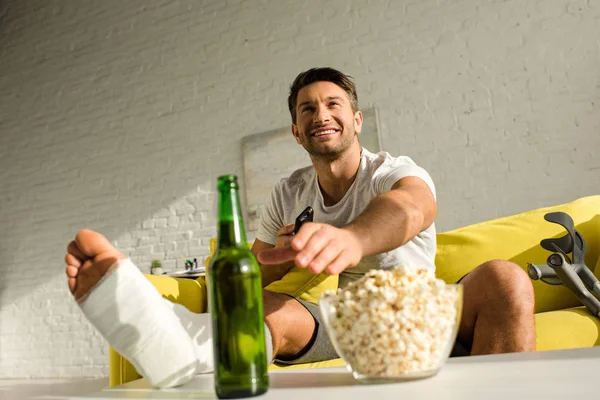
(325, 123)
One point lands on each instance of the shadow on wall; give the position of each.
(3, 11)
(112, 193)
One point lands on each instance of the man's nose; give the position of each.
(322, 115)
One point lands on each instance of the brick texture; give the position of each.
(119, 115)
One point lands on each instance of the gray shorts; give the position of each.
(321, 348)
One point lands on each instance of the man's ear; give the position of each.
(358, 121)
(296, 133)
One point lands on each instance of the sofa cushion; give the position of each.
(566, 329)
(516, 238)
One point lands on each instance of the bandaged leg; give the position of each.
(132, 316)
(164, 341)
(199, 328)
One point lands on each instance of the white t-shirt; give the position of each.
(377, 174)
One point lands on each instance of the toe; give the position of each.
(72, 271)
(74, 250)
(92, 243)
(72, 283)
(71, 260)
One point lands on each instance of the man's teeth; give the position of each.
(327, 132)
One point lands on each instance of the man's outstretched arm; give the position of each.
(395, 217)
(389, 221)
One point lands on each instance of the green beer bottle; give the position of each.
(236, 304)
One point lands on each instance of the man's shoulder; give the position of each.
(385, 170)
(383, 158)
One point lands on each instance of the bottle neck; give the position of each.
(230, 229)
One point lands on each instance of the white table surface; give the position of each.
(553, 374)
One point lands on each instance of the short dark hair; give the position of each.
(321, 74)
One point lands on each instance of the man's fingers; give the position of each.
(329, 253)
(305, 234)
(337, 266)
(312, 247)
(276, 255)
(286, 230)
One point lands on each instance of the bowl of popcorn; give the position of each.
(391, 325)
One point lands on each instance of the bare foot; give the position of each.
(88, 259)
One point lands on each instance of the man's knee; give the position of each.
(282, 310)
(291, 325)
(506, 282)
(273, 304)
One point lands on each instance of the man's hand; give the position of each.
(284, 236)
(319, 247)
(283, 240)
(272, 273)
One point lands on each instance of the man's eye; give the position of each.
(334, 103)
(307, 109)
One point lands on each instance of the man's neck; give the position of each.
(336, 177)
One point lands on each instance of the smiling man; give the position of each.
(371, 211)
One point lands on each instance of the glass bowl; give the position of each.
(386, 352)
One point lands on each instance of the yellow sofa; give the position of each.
(561, 321)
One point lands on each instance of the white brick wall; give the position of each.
(118, 116)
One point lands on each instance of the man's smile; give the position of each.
(325, 131)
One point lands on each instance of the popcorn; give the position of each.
(394, 322)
